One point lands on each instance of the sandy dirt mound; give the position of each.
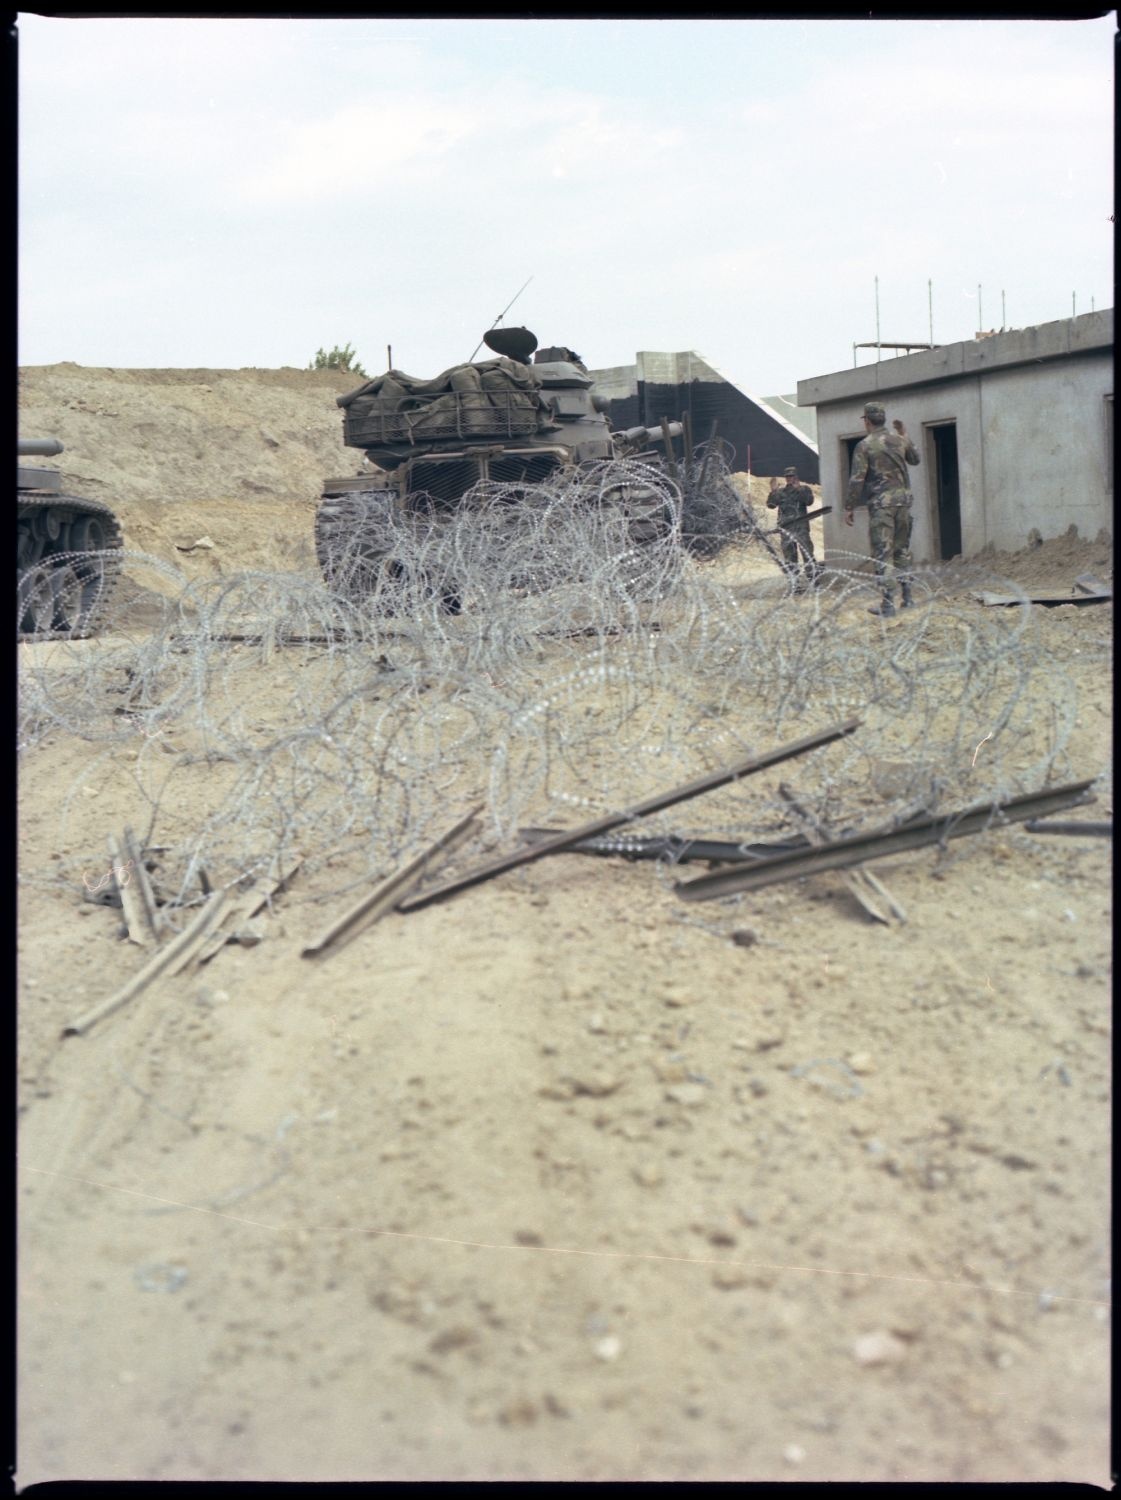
(545, 1182)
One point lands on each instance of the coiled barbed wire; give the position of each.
(554, 651)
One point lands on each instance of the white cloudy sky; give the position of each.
(216, 193)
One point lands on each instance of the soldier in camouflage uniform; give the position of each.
(880, 480)
(792, 502)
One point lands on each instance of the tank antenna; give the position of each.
(501, 315)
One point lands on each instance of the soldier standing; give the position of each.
(792, 502)
(880, 480)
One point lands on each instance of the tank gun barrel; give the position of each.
(39, 447)
(633, 436)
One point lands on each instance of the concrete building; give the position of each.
(1015, 432)
(668, 385)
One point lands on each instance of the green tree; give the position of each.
(338, 359)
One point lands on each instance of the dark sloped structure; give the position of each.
(668, 385)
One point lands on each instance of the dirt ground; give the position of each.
(540, 1183)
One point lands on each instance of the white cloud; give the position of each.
(363, 147)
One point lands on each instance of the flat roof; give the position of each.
(1089, 333)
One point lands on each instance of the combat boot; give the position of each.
(908, 602)
(885, 609)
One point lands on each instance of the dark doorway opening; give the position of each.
(947, 494)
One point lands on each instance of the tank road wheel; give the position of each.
(67, 563)
(649, 517)
(36, 600)
(70, 615)
(355, 538)
(88, 534)
(351, 543)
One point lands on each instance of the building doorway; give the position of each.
(947, 492)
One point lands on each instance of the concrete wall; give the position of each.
(1045, 447)
(667, 384)
(1033, 434)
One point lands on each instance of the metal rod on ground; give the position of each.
(677, 851)
(158, 964)
(248, 905)
(385, 896)
(642, 809)
(136, 919)
(1088, 584)
(843, 853)
(860, 883)
(156, 919)
(1072, 829)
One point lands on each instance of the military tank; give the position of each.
(430, 442)
(62, 580)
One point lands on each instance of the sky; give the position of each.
(208, 193)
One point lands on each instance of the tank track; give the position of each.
(354, 546)
(351, 546)
(62, 587)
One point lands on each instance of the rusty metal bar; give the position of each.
(640, 810)
(168, 958)
(156, 919)
(920, 832)
(1088, 584)
(132, 904)
(1046, 601)
(1072, 829)
(248, 904)
(677, 851)
(861, 884)
(385, 896)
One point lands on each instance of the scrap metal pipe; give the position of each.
(641, 809)
(920, 832)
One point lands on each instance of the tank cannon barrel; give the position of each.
(634, 435)
(39, 447)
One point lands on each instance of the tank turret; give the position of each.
(506, 419)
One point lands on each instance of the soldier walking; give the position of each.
(792, 502)
(879, 479)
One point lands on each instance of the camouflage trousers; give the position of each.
(890, 530)
(796, 543)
